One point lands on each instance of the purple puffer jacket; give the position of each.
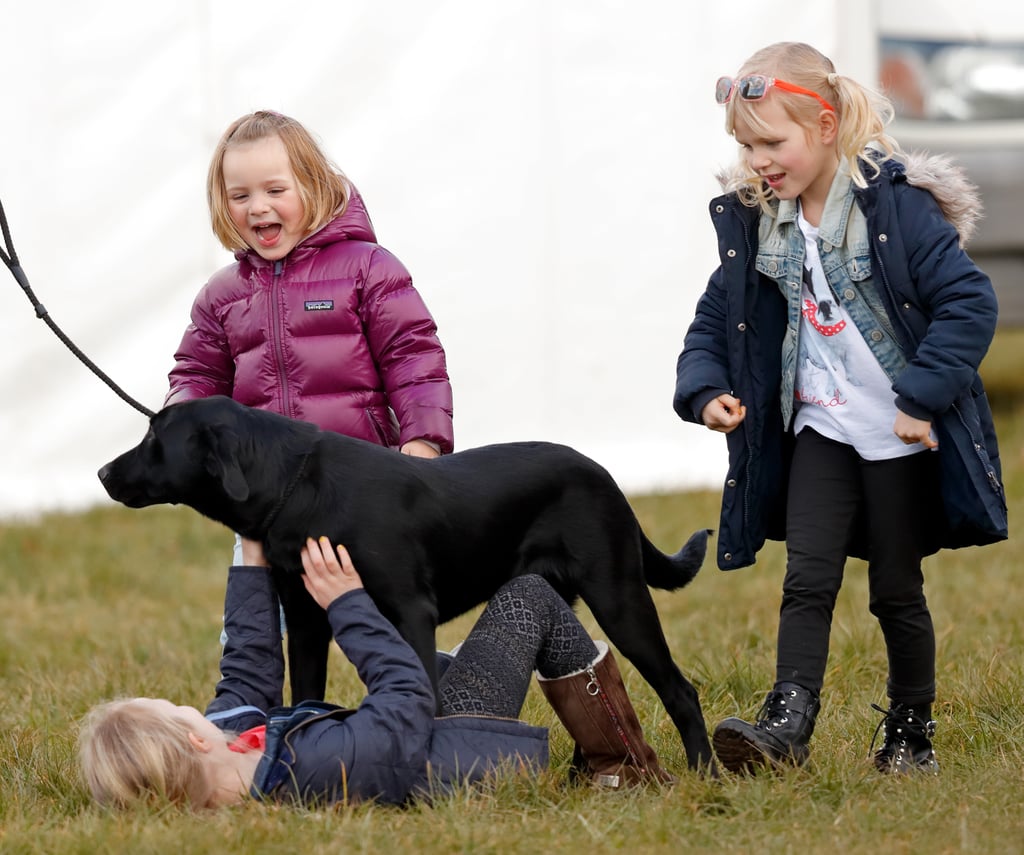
(334, 334)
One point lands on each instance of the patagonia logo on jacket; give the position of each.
(319, 305)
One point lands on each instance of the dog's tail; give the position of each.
(670, 572)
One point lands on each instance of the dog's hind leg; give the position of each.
(417, 624)
(630, 620)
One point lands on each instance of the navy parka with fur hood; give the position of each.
(943, 310)
(390, 748)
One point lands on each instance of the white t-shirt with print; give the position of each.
(841, 390)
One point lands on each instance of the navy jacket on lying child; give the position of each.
(391, 748)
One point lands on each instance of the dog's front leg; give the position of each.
(309, 638)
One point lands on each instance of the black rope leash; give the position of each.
(10, 258)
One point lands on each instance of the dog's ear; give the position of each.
(222, 449)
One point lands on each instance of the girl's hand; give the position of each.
(912, 430)
(327, 576)
(723, 413)
(420, 448)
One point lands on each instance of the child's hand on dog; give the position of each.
(326, 577)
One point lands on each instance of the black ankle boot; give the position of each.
(907, 743)
(781, 734)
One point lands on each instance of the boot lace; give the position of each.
(774, 711)
(899, 723)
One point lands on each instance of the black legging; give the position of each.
(830, 487)
(526, 626)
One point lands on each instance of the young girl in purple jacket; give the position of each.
(314, 319)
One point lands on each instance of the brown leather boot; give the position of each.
(593, 705)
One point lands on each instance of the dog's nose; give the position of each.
(104, 471)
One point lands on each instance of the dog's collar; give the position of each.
(268, 521)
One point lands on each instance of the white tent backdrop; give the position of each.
(542, 167)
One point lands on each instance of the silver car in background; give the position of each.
(964, 97)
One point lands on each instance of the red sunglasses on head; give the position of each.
(754, 87)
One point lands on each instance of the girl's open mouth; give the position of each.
(268, 235)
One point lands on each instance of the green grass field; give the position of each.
(116, 602)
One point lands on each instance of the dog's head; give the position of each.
(194, 453)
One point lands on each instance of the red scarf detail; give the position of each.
(255, 738)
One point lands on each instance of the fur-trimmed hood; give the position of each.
(956, 195)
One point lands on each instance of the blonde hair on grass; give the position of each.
(322, 187)
(131, 754)
(862, 114)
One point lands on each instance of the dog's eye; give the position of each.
(152, 449)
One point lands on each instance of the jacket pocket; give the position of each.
(972, 489)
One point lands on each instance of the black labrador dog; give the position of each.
(431, 538)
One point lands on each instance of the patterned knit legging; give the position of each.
(526, 626)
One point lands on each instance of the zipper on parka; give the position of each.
(277, 337)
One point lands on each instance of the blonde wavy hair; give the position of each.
(131, 754)
(862, 114)
(322, 187)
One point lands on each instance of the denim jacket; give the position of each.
(845, 251)
(893, 253)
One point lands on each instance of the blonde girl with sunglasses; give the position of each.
(837, 347)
